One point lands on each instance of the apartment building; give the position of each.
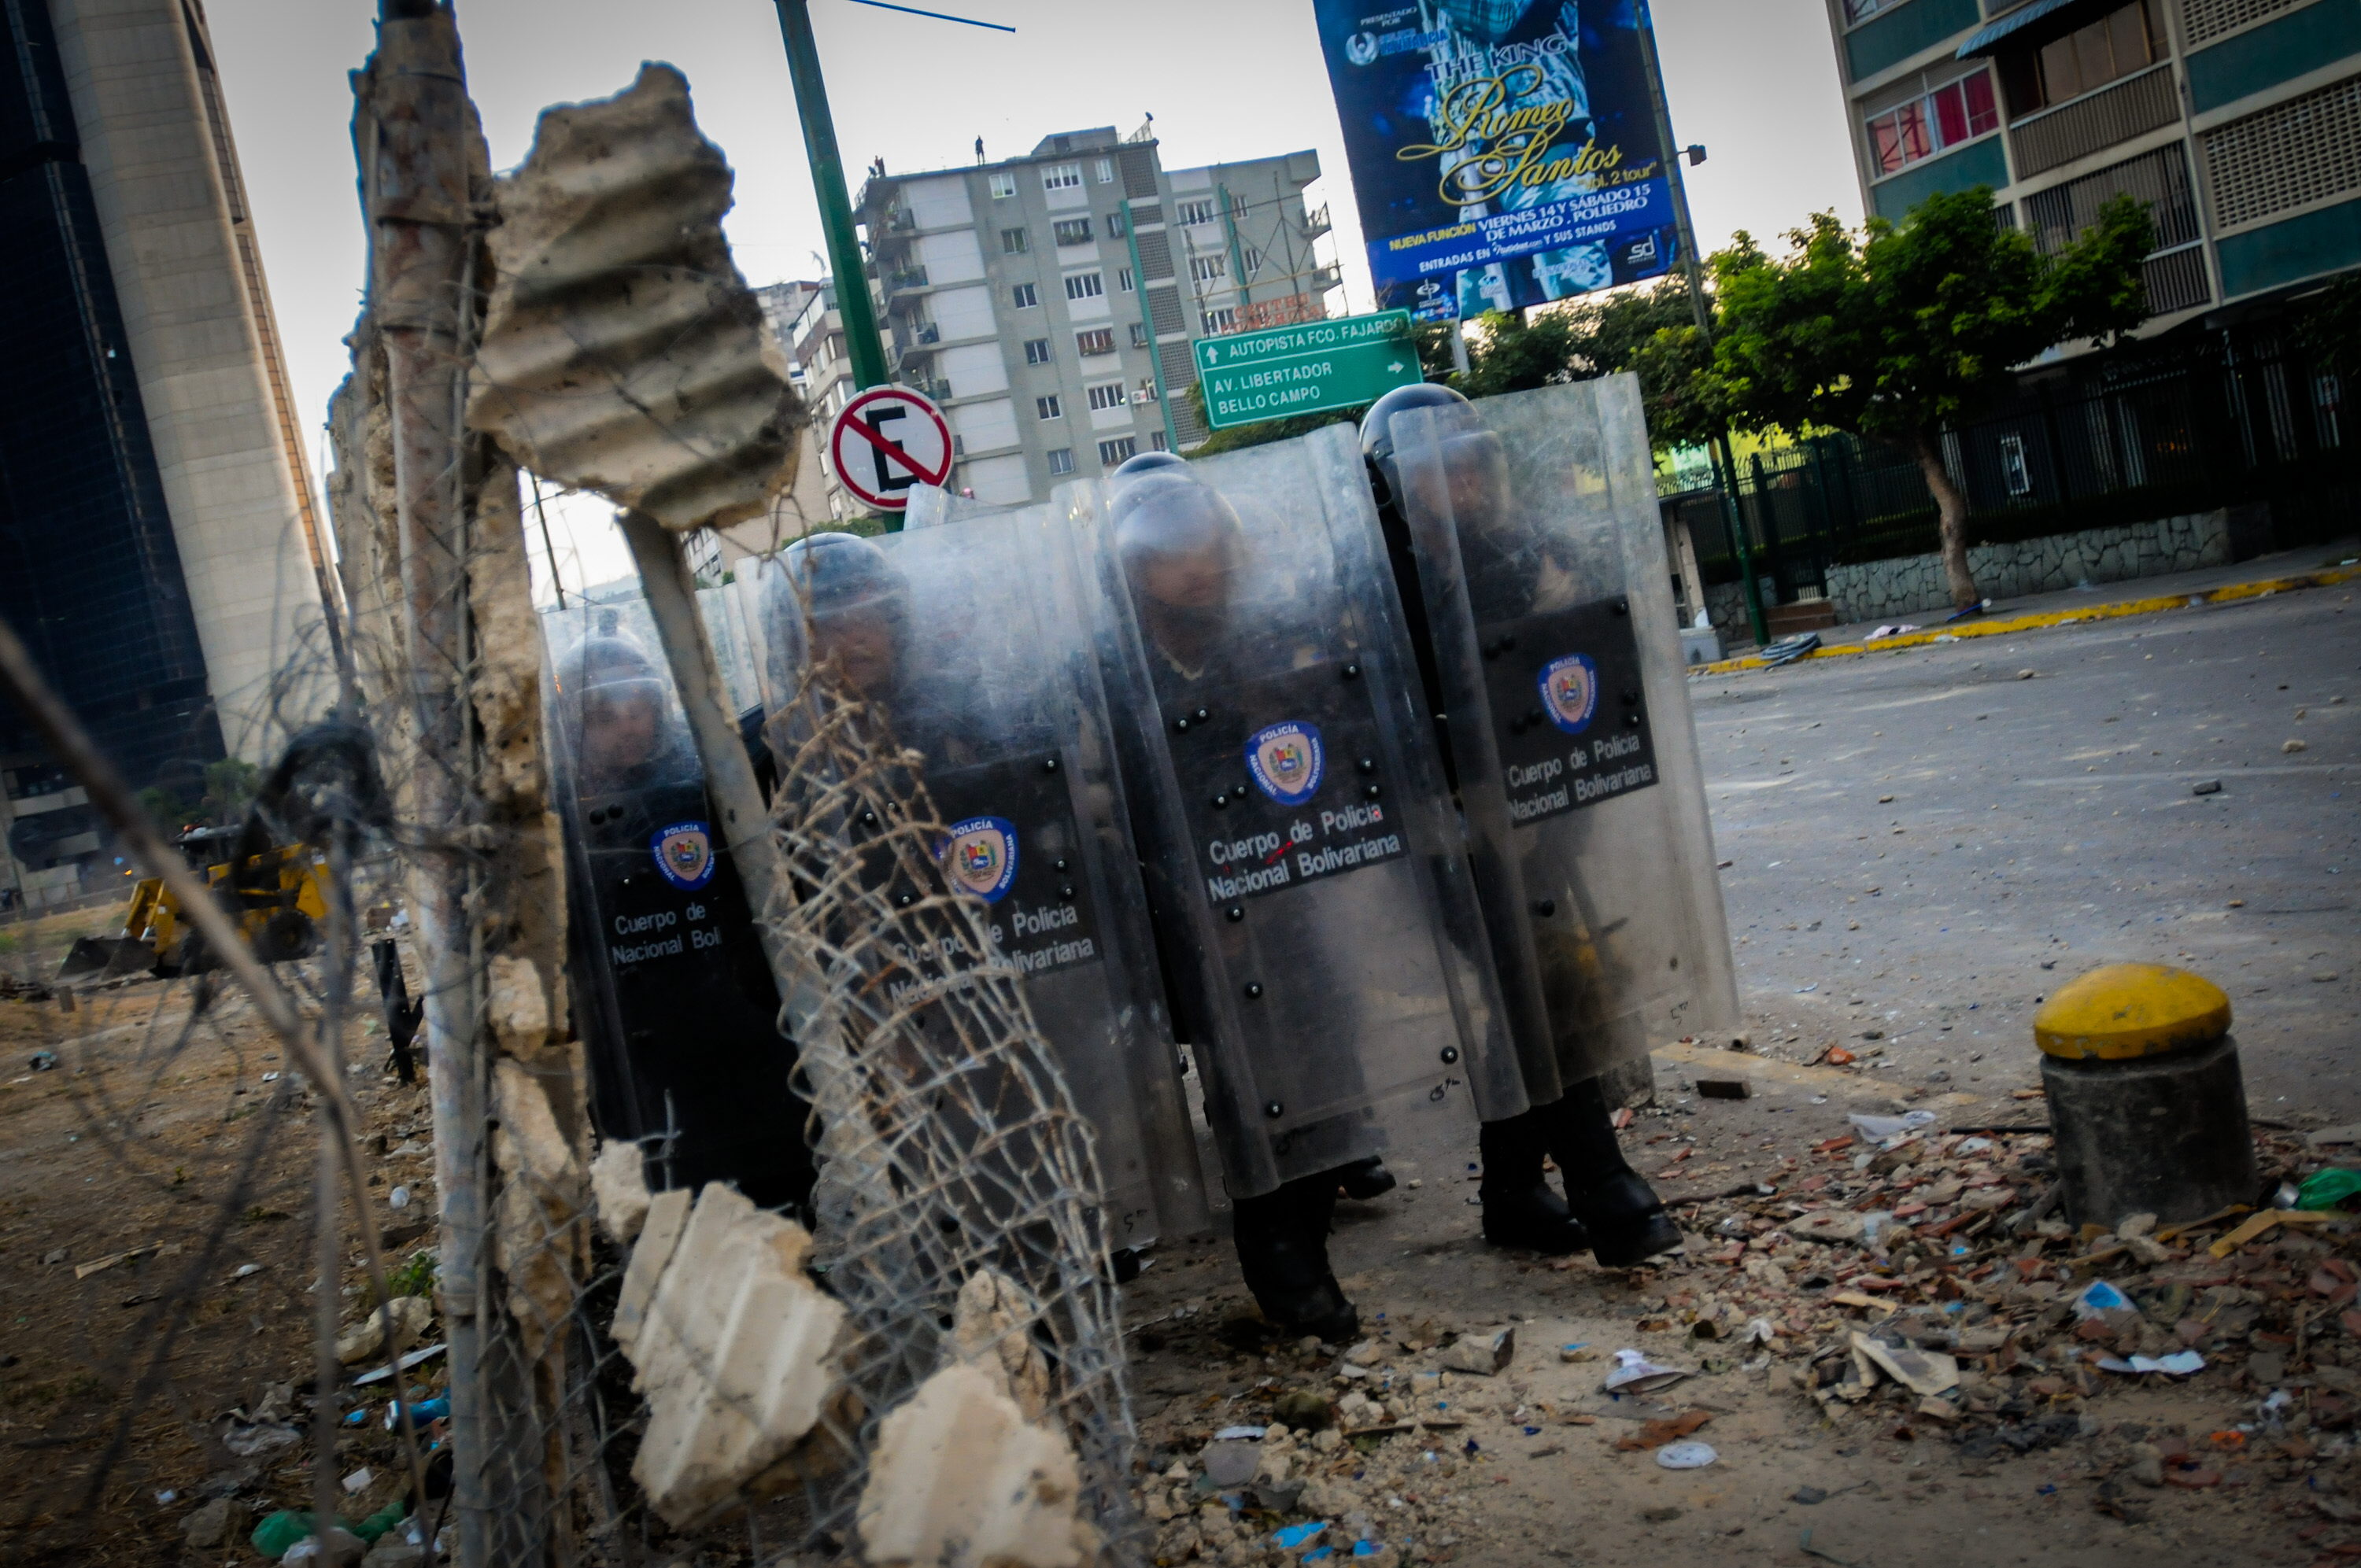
(1048, 301)
(2238, 121)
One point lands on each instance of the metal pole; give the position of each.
(1148, 319)
(1693, 269)
(1458, 349)
(862, 343)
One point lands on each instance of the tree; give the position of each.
(230, 784)
(1909, 327)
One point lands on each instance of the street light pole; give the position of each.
(862, 343)
(1692, 267)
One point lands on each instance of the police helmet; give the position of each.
(833, 577)
(1165, 517)
(1377, 432)
(1149, 463)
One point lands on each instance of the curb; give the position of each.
(2327, 576)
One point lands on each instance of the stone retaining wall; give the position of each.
(1913, 584)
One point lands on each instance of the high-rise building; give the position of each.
(1050, 302)
(161, 553)
(2238, 121)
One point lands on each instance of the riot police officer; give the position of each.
(674, 1001)
(969, 646)
(1315, 913)
(1572, 755)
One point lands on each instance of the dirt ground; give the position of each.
(183, 1142)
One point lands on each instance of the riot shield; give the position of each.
(672, 996)
(1306, 876)
(1541, 559)
(970, 644)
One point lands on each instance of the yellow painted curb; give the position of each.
(2120, 1011)
(2326, 577)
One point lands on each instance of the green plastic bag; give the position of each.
(278, 1531)
(282, 1530)
(2327, 1189)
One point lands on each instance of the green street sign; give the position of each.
(1307, 369)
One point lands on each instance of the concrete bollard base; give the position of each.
(2161, 1135)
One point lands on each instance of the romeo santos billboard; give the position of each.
(1504, 151)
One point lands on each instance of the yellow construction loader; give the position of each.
(275, 892)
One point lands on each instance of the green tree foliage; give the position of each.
(1904, 328)
(165, 809)
(229, 790)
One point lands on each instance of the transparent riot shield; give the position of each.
(672, 996)
(1307, 878)
(1541, 559)
(972, 645)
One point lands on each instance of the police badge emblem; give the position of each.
(1286, 762)
(684, 853)
(1570, 692)
(981, 855)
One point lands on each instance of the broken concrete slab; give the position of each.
(960, 1480)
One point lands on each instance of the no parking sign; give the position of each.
(886, 440)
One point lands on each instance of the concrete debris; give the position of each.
(410, 1316)
(541, 1227)
(961, 1480)
(218, 1523)
(621, 350)
(1480, 1352)
(618, 1185)
(992, 1329)
(735, 1357)
(660, 1233)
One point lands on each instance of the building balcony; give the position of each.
(934, 386)
(928, 333)
(1315, 222)
(905, 280)
(2095, 121)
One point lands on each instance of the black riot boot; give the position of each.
(1282, 1242)
(1520, 1209)
(1626, 1220)
(1365, 1178)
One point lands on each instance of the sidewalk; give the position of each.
(2313, 566)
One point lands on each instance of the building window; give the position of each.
(1100, 340)
(1863, 10)
(1036, 351)
(1156, 441)
(1014, 242)
(1073, 231)
(1953, 112)
(1084, 286)
(1219, 322)
(1119, 450)
(1123, 279)
(1194, 211)
(1061, 177)
(1004, 185)
(1106, 395)
(1253, 261)
(1048, 407)
(2014, 474)
(1139, 335)
(2129, 39)
(1023, 296)
(1062, 460)
(1106, 170)
(1147, 393)
(1116, 225)
(1206, 268)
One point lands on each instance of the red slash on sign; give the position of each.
(886, 440)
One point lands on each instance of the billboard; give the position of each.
(1504, 152)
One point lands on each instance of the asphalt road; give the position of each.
(1923, 843)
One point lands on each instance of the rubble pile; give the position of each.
(1917, 1286)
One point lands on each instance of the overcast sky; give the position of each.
(1754, 80)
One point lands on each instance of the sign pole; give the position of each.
(862, 343)
(1693, 267)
